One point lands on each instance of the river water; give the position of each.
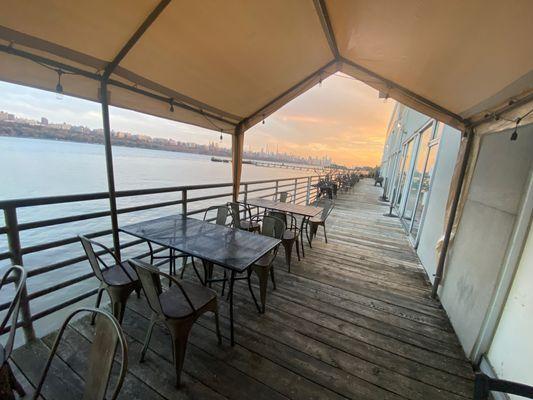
(35, 168)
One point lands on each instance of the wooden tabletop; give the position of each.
(298, 209)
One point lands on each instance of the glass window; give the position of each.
(418, 173)
(405, 170)
(424, 191)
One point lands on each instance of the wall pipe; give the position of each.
(469, 133)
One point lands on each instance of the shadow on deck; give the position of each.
(354, 320)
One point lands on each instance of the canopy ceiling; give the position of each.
(228, 62)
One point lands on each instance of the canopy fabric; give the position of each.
(228, 62)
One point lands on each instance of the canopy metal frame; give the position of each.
(238, 125)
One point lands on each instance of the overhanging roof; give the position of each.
(227, 62)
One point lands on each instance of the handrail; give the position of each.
(301, 188)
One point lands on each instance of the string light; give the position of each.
(171, 101)
(221, 135)
(263, 119)
(514, 135)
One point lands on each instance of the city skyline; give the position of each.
(340, 117)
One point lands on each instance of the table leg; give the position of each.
(231, 282)
(302, 235)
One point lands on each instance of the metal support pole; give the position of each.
(308, 194)
(13, 240)
(245, 192)
(294, 192)
(276, 191)
(184, 202)
(109, 166)
(469, 133)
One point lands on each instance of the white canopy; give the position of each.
(236, 61)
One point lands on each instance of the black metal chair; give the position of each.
(484, 385)
(273, 227)
(8, 383)
(247, 223)
(285, 197)
(108, 335)
(313, 223)
(290, 236)
(118, 280)
(177, 308)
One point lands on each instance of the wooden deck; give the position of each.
(353, 320)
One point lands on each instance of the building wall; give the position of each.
(488, 220)
(433, 224)
(511, 351)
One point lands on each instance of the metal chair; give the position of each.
(177, 308)
(484, 385)
(8, 382)
(290, 236)
(247, 223)
(221, 218)
(327, 206)
(108, 334)
(284, 196)
(118, 280)
(273, 227)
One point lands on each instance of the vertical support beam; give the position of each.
(104, 98)
(245, 192)
(13, 240)
(237, 142)
(469, 133)
(276, 191)
(294, 191)
(308, 194)
(184, 202)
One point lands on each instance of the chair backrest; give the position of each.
(108, 335)
(484, 385)
(95, 259)
(273, 227)
(222, 214)
(284, 196)
(327, 206)
(17, 275)
(150, 278)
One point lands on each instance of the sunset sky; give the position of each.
(342, 118)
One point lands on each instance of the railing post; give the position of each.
(276, 191)
(308, 194)
(245, 192)
(294, 192)
(184, 202)
(13, 240)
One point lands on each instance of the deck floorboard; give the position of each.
(353, 320)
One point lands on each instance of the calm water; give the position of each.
(34, 168)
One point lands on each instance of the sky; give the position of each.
(342, 118)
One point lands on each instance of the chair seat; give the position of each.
(175, 305)
(266, 260)
(316, 220)
(290, 235)
(250, 225)
(115, 276)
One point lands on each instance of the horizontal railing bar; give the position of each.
(261, 189)
(61, 242)
(5, 255)
(210, 197)
(39, 201)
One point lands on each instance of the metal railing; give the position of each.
(192, 200)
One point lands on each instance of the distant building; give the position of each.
(44, 121)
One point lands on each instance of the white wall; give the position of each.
(511, 351)
(433, 224)
(488, 220)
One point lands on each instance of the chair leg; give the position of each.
(262, 274)
(297, 250)
(153, 320)
(179, 331)
(98, 301)
(183, 268)
(224, 282)
(251, 290)
(288, 244)
(325, 235)
(119, 297)
(272, 278)
(217, 325)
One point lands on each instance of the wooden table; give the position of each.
(306, 212)
(233, 249)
